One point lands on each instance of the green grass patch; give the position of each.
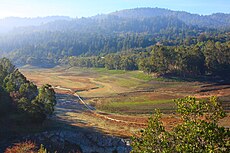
(127, 82)
(135, 104)
(104, 70)
(141, 76)
(162, 79)
(137, 107)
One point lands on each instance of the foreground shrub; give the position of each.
(198, 132)
(26, 147)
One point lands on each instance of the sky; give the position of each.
(86, 8)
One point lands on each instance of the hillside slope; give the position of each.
(46, 41)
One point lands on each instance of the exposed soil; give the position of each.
(97, 92)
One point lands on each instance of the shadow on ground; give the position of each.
(60, 135)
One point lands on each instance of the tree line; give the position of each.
(203, 58)
(46, 45)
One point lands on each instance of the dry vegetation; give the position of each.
(128, 96)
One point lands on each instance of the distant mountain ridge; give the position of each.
(49, 40)
(217, 20)
(9, 23)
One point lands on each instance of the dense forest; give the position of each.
(148, 39)
(199, 59)
(21, 98)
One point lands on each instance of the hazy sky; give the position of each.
(79, 8)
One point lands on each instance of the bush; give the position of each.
(25, 147)
(198, 132)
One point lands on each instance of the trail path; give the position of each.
(93, 110)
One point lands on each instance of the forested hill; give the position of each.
(217, 20)
(120, 21)
(130, 31)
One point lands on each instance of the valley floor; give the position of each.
(123, 100)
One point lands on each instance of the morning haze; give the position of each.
(82, 8)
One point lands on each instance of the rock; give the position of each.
(123, 149)
(67, 141)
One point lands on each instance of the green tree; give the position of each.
(28, 90)
(145, 64)
(154, 138)
(5, 102)
(43, 104)
(198, 132)
(160, 59)
(24, 104)
(128, 63)
(18, 95)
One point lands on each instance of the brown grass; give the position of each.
(99, 87)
